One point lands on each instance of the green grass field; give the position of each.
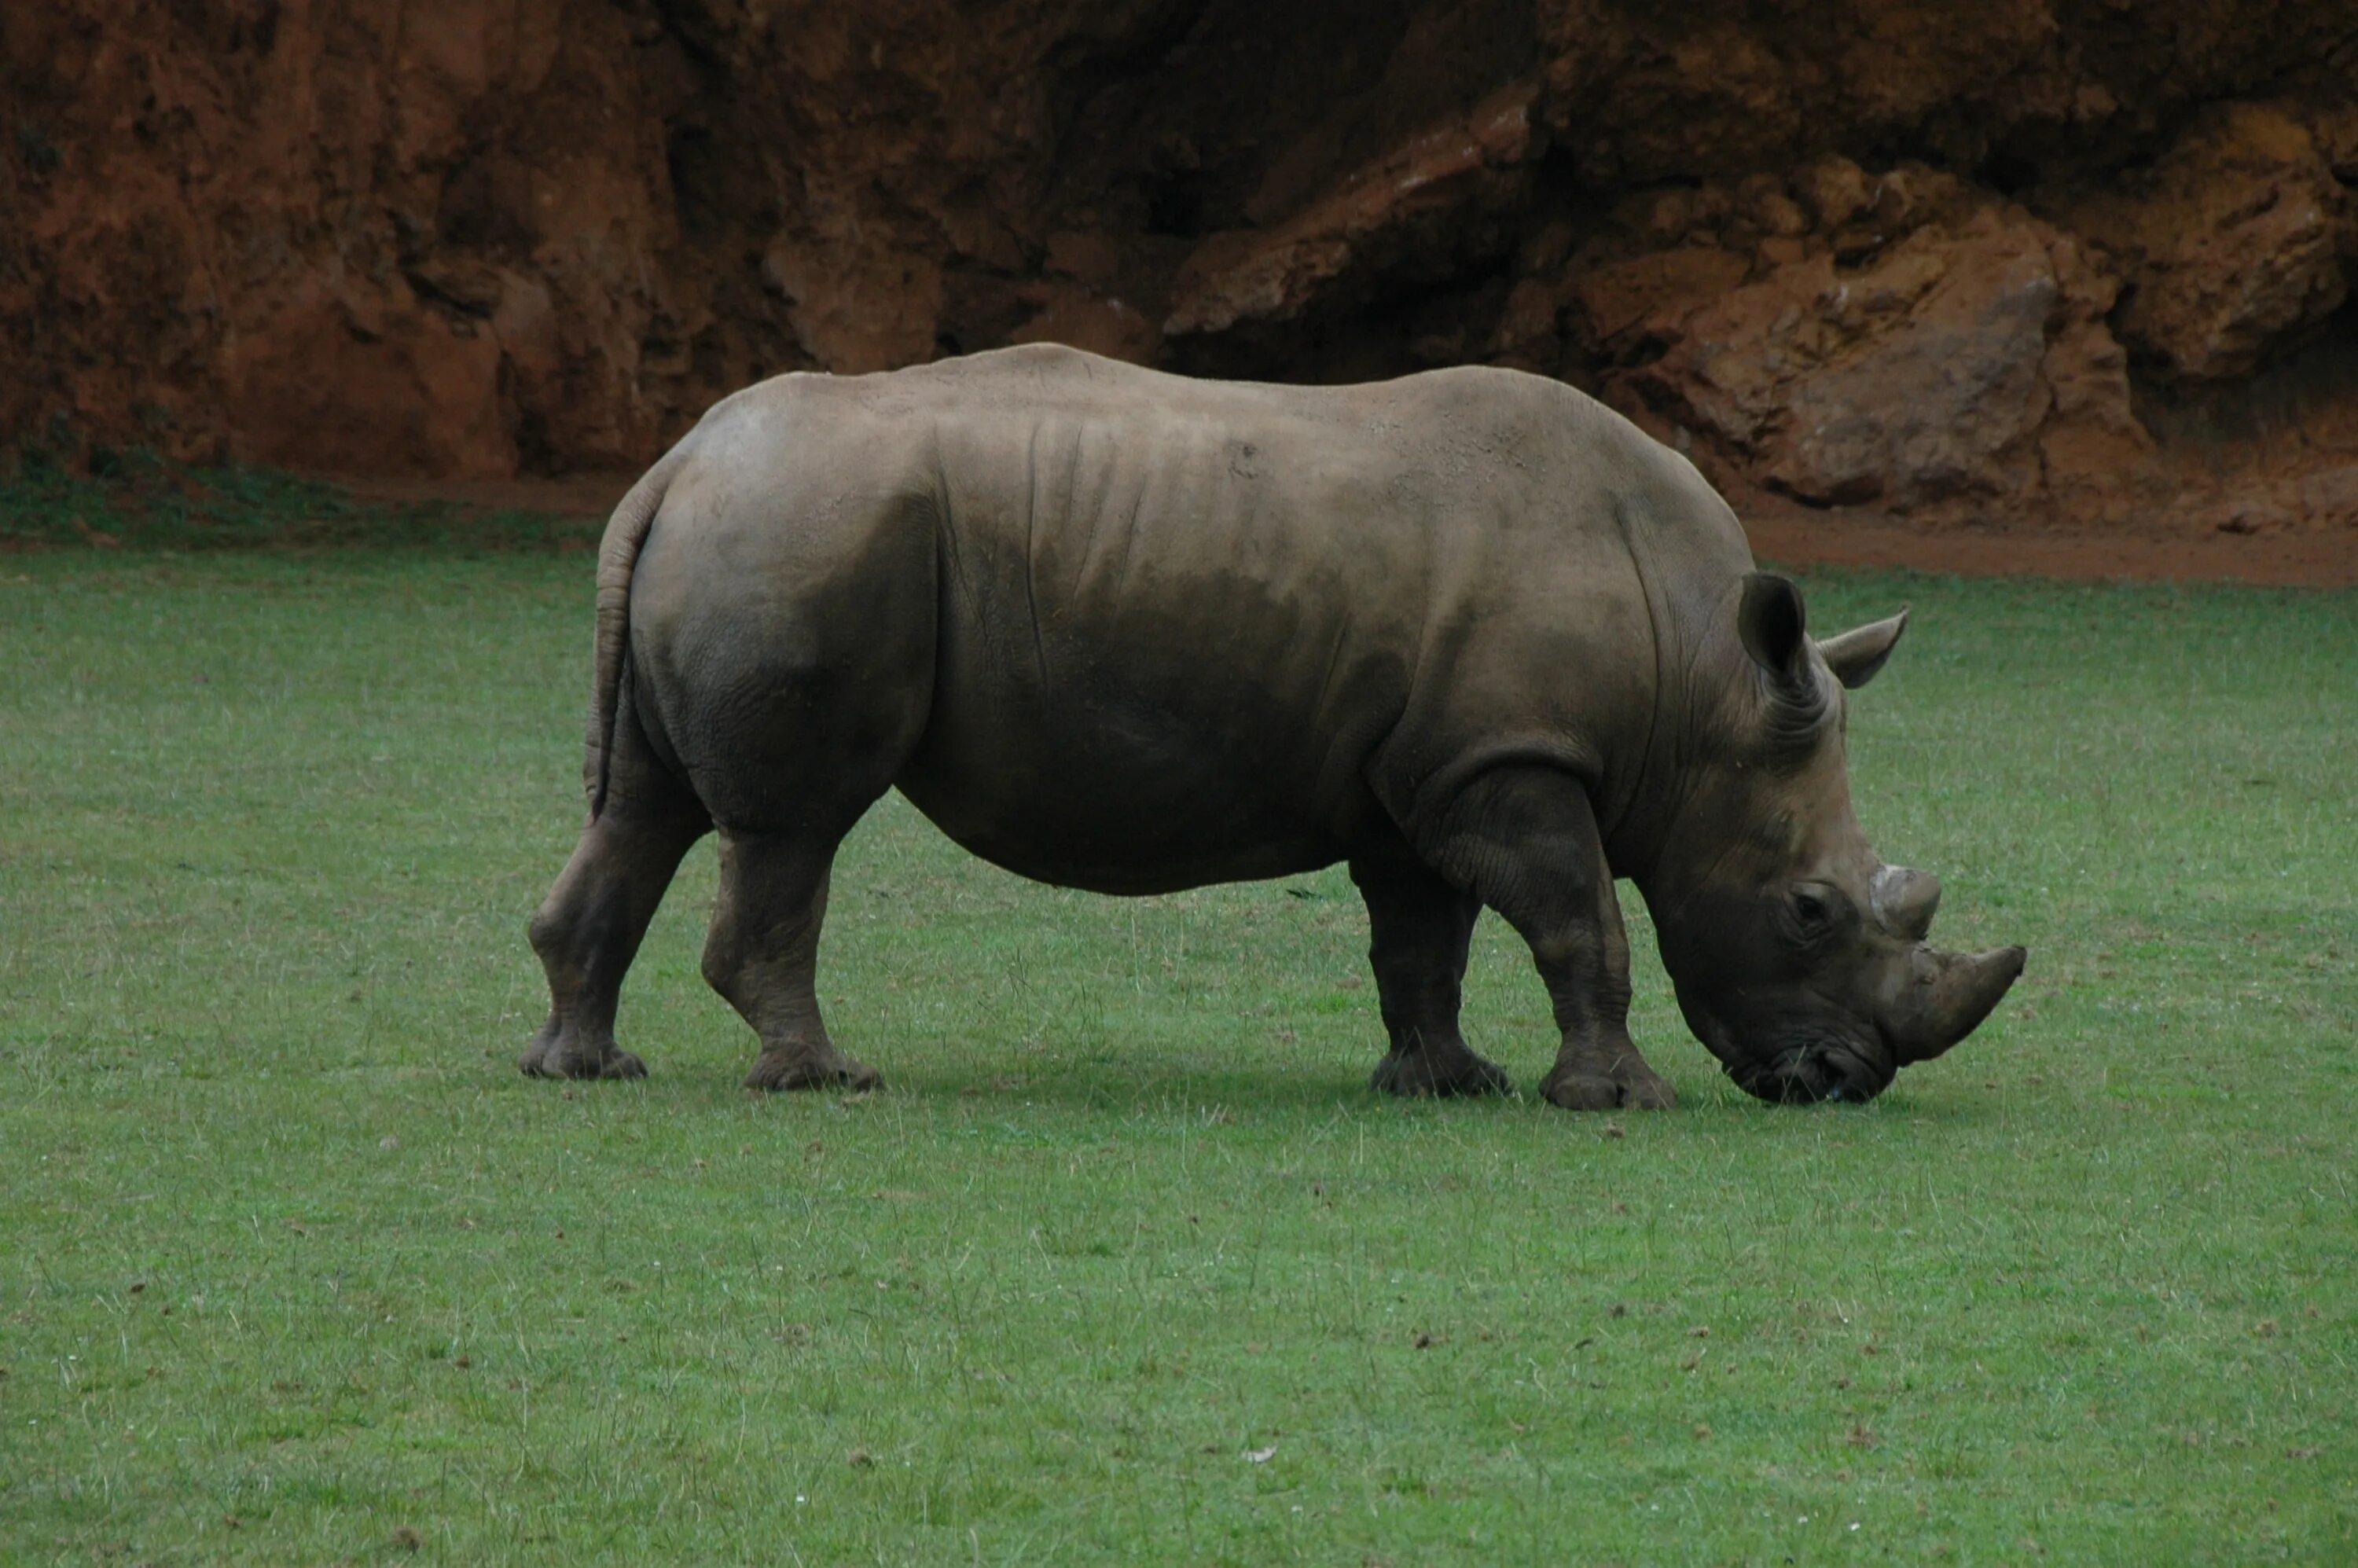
(1126, 1265)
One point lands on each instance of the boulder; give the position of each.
(2229, 247)
(1415, 209)
(1955, 364)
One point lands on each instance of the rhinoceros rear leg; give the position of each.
(762, 955)
(589, 928)
(1418, 928)
(1526, 839)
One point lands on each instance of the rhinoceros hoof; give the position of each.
(1420, 1076)
(562, 1058)
(780, 1073)
(1591, 1091)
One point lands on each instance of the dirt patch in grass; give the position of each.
(2159, 550)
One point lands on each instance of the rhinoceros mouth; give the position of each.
(1830, 1070)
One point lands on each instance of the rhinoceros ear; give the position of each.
(1774, 629)
(1855, 656)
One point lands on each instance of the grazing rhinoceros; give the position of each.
(1469, 632)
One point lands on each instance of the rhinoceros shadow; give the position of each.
(1288, 1091)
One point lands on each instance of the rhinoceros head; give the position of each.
(1799, 958)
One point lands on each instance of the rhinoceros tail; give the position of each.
(618, 557)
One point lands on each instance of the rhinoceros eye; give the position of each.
(1810, 913)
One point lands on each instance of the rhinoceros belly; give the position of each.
(1113, 790)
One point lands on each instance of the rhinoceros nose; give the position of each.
(1904, 899)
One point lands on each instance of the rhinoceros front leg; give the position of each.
(1525, 839)
(762, 953)
(1418, 928)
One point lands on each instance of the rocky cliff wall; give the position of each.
(2085, 260)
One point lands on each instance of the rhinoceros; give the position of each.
(1470, 633)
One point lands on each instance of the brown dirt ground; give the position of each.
(2161, 552)
(1781, 532)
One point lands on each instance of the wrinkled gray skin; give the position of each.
(1469, 632)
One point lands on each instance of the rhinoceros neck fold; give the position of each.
(1635, 793)
(1690, 580)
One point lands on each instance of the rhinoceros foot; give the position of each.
(555, 1053)
(1427, 1072)
(1625, 1082)
(775, 1070)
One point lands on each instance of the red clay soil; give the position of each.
(1796, 537)
(2024, 284)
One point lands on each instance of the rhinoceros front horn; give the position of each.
(1952, 994)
